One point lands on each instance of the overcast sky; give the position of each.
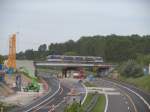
(47, 21)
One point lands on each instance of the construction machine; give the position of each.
(33, 86)
(10, 64)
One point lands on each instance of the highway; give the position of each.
(56, 94)
(130, 99)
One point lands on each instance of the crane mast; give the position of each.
(11, 63)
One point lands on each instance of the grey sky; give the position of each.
(46, 21)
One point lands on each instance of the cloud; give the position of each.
(46, 21)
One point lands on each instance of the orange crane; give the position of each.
(11, 62)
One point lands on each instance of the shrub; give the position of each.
(131, 69)
(74, 107)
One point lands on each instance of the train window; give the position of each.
(89, 59)
(68, 58)
(78, 58)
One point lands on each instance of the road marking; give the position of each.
(106, 105)
(37, 99)
(60, 103)
(131, 102)
(44, 100)
(130, 99)
(101, 88)
(44, 105)
(103, 92)
(85, 94)
(61, 91)
(148, 105)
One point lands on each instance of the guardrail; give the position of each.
(92, 104)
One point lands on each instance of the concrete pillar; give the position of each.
(64, 73)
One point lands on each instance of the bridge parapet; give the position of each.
(61, 64)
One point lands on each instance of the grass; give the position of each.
(100, 105)
(87, 100)
(141, 82)
(6, 107)
(88, 84)
(74, 107)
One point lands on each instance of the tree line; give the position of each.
(113, 48)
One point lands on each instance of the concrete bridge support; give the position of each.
(102, 72)
(69, 69)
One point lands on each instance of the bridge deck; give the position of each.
(46, 63)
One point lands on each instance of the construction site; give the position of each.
(18, 85)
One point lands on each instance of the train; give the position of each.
(74, 59)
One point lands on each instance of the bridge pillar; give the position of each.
(64, 73)
(102, 71)
(35, 69)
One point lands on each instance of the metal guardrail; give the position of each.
(92, 104)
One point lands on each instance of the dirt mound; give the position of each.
(5, 90)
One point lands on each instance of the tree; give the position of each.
(144, 60)
(1, 59)
(42, 48)
(113, 48)
(131, 69)
(71, 53)
(20, 55)
(29, 54)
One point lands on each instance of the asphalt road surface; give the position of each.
(130, 99)
(53, 97)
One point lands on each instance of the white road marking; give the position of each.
(44, 100)
(44, 105)
(101, 88)
(59, 103)
(106, 106)
(148, 105)
(128, 108)
(85, 94)
(108, 91)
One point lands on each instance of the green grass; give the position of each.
(74, 107)
(88, 84)
(141, 82)
(100, 105)
(87, 100)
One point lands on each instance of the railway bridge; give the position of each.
(99, 68)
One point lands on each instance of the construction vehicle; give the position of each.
(10, 64)
(33, 86)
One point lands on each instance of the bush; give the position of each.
(131, 69)
(1, 59)
(74, 107)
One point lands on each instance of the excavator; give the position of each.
(33, 86)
